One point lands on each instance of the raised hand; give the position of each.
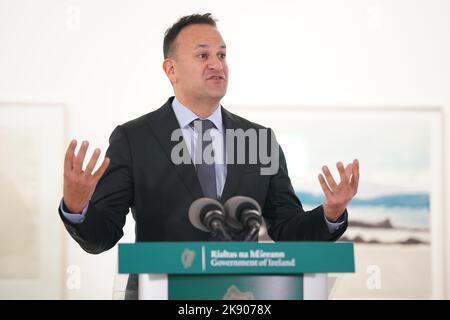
(337, 196)
(79, 185)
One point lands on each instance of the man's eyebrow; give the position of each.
(206, 46)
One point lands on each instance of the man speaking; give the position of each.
(140, 172)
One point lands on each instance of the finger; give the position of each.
(326, 190)
(348, 171)
(355, 176)
(78, 161)
(68, 159)
(331, 182)
(98, 174)
(91, 165)
(341, 170)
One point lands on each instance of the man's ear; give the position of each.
(169, 69)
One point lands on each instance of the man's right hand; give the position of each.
(79, 185)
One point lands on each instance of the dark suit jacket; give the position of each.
(141, 176)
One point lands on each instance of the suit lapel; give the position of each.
(162, 127)
(234, 170)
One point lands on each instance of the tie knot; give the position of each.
(202, 126)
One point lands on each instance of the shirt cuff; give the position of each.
(73, 218)
(334, 226)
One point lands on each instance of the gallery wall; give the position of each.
(100, 62)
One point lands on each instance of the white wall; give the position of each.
(107, 68)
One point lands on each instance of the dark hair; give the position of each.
(172, 33)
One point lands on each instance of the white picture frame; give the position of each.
(331, 134)
(32, 260)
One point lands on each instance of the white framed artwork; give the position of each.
(397, 218)
(32, 137)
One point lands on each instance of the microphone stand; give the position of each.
(252, 219)
(215, 221)
(252, 235)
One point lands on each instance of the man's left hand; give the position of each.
(337, 196)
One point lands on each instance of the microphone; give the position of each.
(244, 213)
(208, 215)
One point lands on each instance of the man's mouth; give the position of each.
(216, 78)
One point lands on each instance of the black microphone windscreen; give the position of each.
(199, 208)
(234, 207)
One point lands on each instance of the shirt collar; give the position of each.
(185, 116)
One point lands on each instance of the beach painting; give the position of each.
(390, 217)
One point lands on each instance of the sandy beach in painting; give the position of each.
(402, 268)
(390, 264)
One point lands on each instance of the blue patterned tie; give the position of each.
(206, 171)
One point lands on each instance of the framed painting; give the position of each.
(397, 218)
(31, 166)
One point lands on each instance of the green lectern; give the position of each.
(235, 270)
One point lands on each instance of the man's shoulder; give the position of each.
(143, 120)
(241, 122)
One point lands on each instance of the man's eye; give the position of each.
(202, 55)
(222, 56)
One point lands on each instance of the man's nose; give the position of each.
(215, 63)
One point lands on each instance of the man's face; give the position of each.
(199, 60)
